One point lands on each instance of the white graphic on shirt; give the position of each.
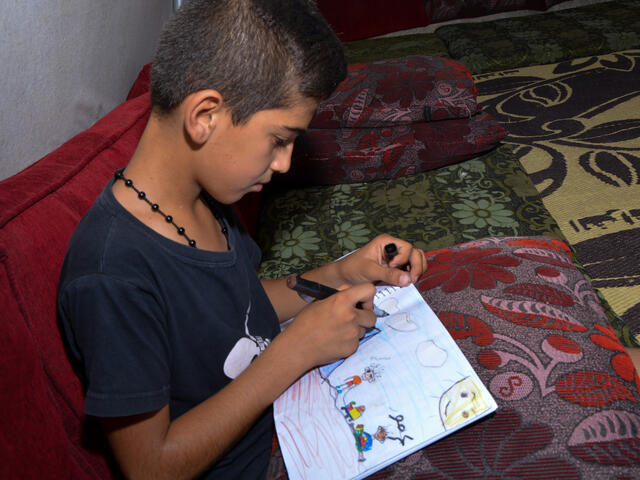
(244, 351)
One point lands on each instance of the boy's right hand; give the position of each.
(330, 329)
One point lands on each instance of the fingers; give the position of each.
(360, 296)
(329, 329)
(417, 263)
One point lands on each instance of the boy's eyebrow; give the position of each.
(296, 130)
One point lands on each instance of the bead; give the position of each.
(141, 194)
(180, 230)
(192, 243)
(128, 182)
(118, 174)
(169, 218)
(155, 207)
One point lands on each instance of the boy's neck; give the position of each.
(161, 164)
(161, 167)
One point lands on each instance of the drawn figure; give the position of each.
(460, 402)
(349, 384)
(381, 434)
(352, 411)
(371, 372)
(363, 441)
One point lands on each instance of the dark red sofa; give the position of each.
(41, 398)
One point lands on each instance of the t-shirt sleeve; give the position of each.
(118, 334)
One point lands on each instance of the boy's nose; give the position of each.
(282, 162)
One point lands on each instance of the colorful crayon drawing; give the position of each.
(463, 400)
(407, 386)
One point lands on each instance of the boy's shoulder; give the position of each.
(103, 242)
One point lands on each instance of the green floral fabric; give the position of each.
(373, 49)
(488, 195)
(547, 38)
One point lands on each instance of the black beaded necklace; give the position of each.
(156, 208)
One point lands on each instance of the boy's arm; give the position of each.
(366, 265)
(151, 446)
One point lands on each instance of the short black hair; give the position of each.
(254, 52)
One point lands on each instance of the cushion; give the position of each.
(399, 91)
(142, 84)
(585, 31)
(43, 425)
(392, 118)
(332, 156)
(533, 329)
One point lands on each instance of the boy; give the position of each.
(172, 332)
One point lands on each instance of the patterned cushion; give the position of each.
(533, 329)
(335, 156)
(393, 118)
(400, 91)
(547, 38)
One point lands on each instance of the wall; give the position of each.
(65, 64)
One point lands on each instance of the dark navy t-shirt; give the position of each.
(149, 321)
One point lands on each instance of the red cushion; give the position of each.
(356, 19)
(333, 156)
(400, 91)
(142, 83)
(44, 429)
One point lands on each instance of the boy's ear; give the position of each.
(201, 111)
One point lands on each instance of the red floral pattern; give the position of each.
(480, 268)
(500, 447)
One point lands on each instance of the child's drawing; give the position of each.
(463, 400)
(407, 386)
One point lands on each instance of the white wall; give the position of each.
(64, 64)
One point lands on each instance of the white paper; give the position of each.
(407, 386)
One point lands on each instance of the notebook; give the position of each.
(407, 385)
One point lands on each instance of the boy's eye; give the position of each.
(280, 142)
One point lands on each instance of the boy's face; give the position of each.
(242, 158)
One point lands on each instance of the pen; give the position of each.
(390, 251)
(310, 290)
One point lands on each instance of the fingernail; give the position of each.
(405, 279)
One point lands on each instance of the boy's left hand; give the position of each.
(369, 263)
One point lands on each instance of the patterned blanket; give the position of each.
(489, 195)
(576, 125)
